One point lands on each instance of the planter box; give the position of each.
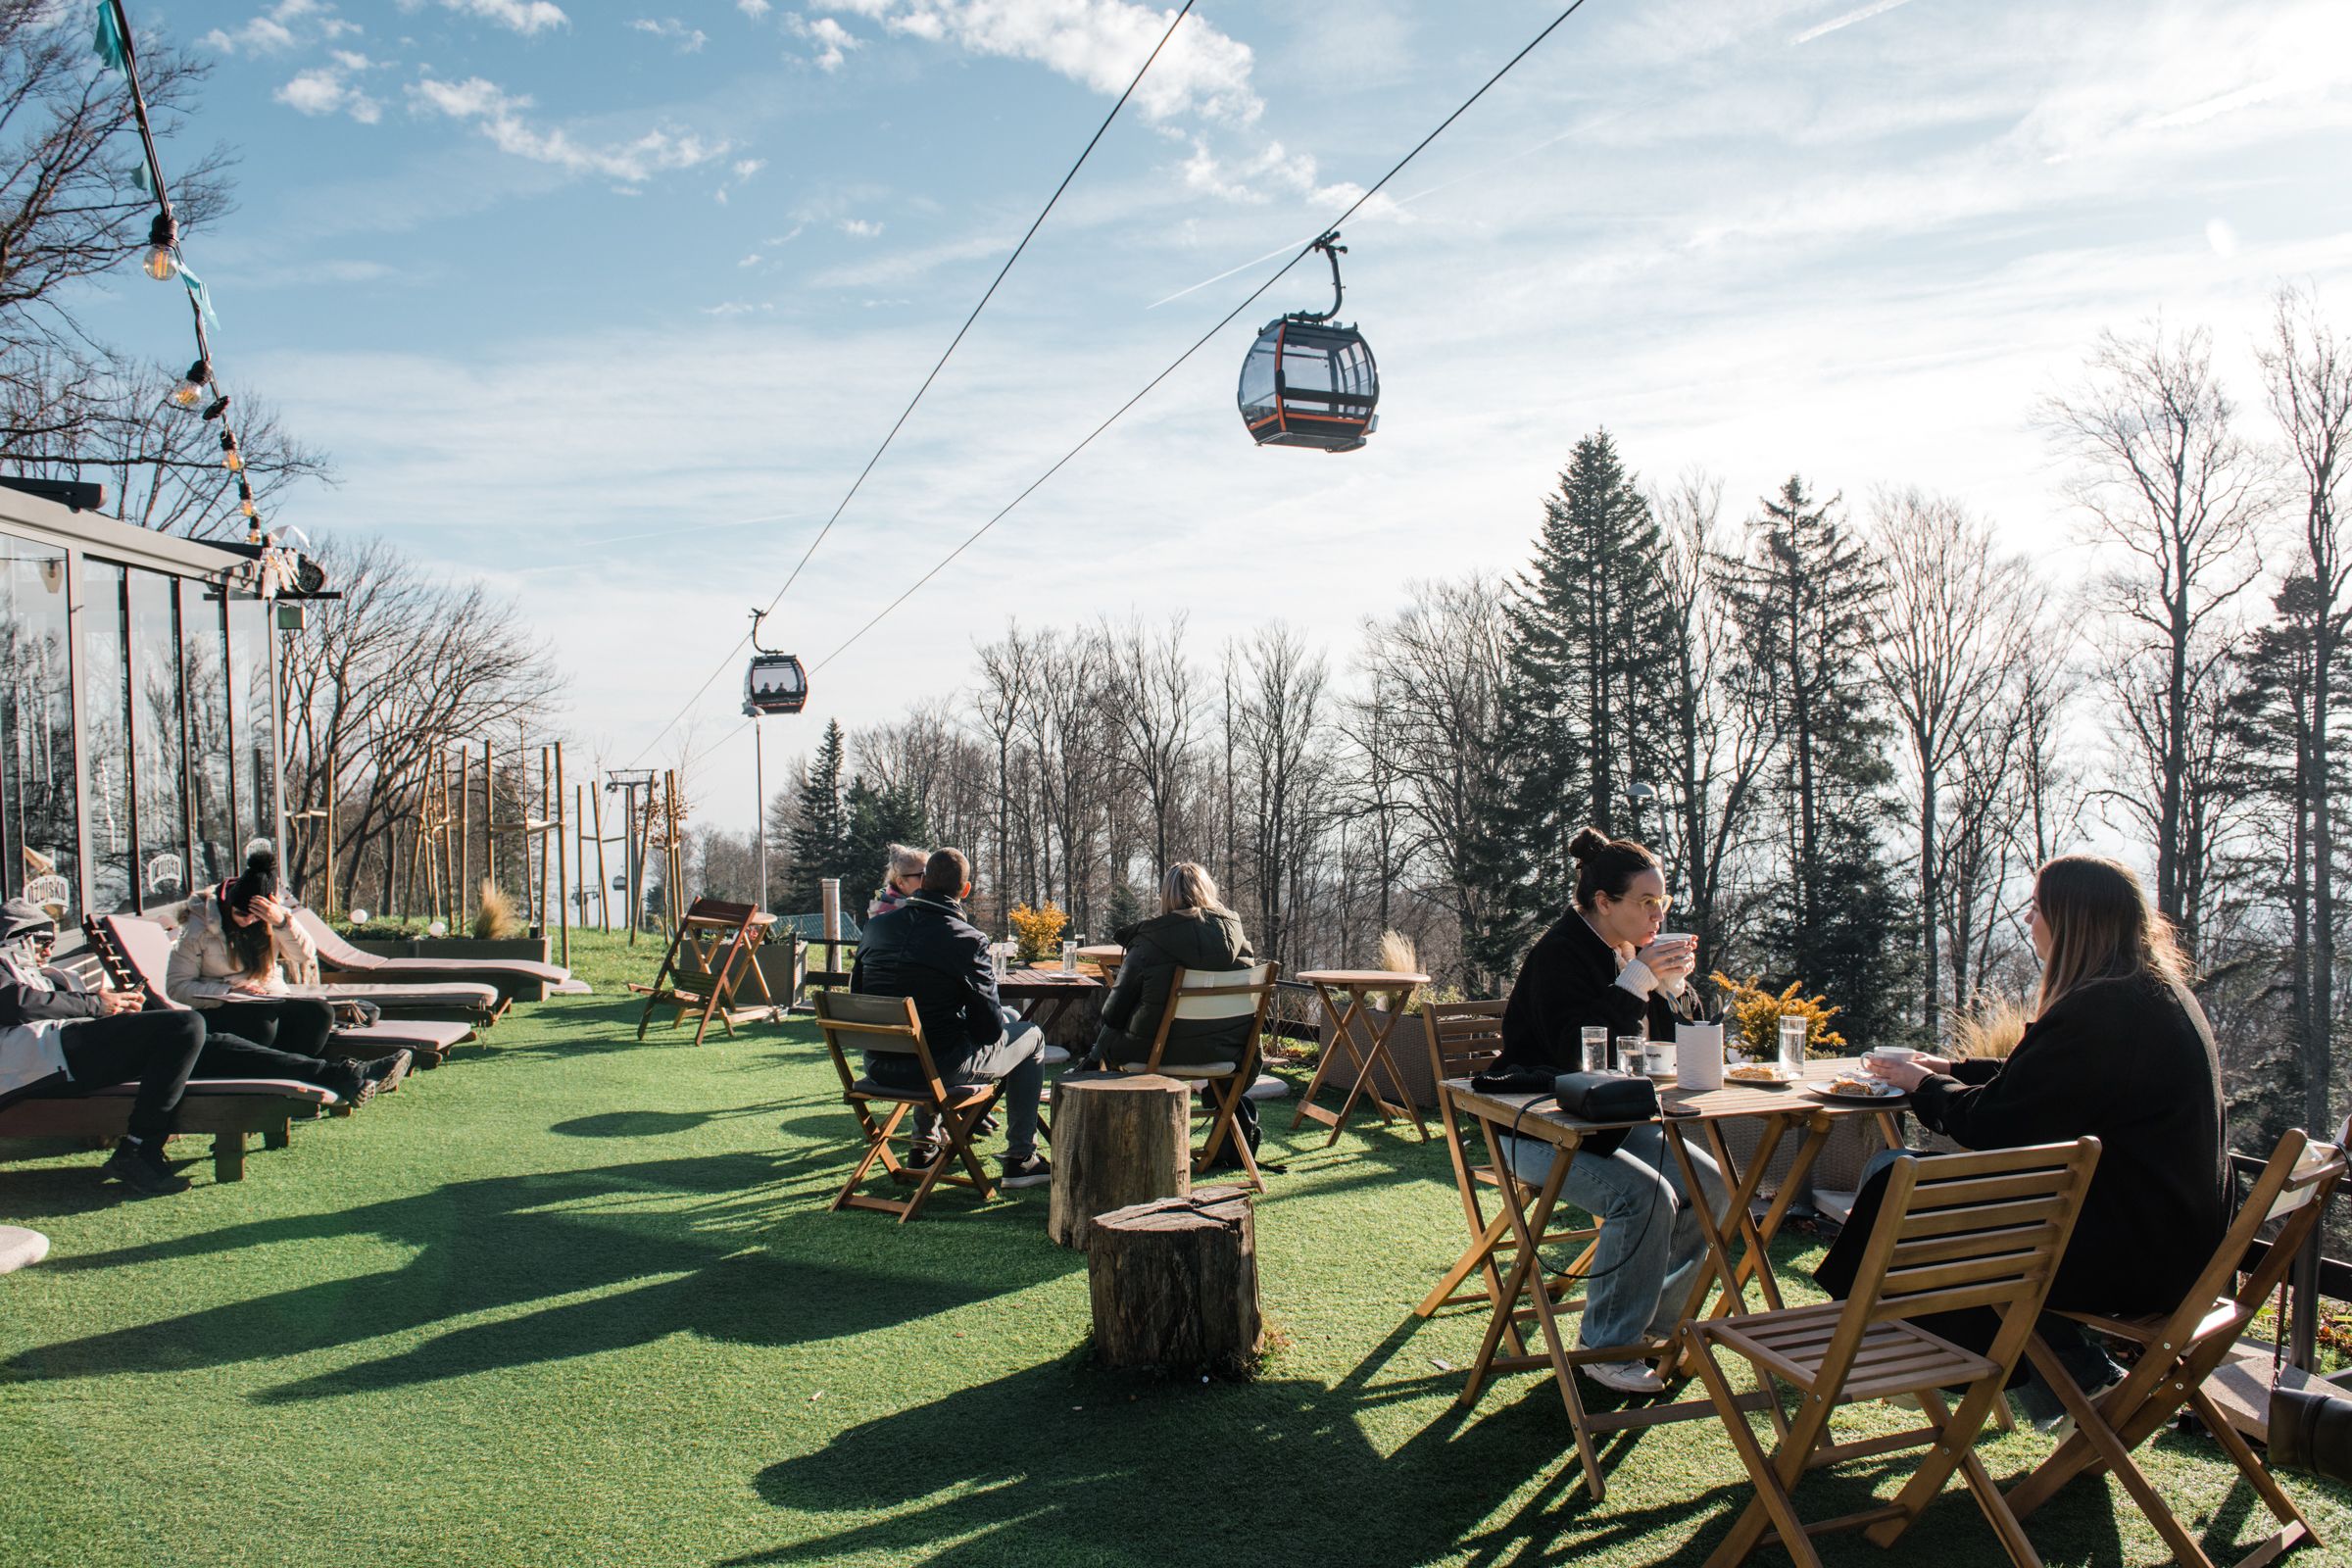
(535, 949)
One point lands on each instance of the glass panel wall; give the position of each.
(252, 715)
(38, 827)
(204, 664)
(157, 741)
(106, 732)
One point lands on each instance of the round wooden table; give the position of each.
(1346, 1000)
(1106, 959)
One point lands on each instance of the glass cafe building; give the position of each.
(138, 739)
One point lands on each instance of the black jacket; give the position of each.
(23, 1004)
(925, 949)
(2130, 1063)
(1569, 984)
(1187, 939)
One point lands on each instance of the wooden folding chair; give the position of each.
(2180, 1349)
(1955, 1233)
(709, 956)
(1463, 1037)
(1206, 993)
(887, 1026)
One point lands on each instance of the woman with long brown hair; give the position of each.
(2119, 1050)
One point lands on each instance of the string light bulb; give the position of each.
(162, 249)
(191, 386)
(230, 458)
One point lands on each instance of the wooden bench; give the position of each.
(231, 1109)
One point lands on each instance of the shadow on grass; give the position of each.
(573, 1264)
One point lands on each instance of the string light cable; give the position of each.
(164, 263)
(953, 343)
(1199, 343)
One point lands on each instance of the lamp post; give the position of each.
(1638, 797)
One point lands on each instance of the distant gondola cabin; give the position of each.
(775, 684)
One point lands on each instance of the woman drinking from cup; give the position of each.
(2118, 1050)
(1604, 965)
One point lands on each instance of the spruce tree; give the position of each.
(877, 818)
(821, 840)
(1590, 670)
(1802, 600)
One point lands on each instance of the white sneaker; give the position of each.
(1626, 1377)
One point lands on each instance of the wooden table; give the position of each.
(1044, 995)
(1526, 1215)
(1106, 959)
(1346, 995)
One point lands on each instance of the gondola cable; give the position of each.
(953, 344)
(1202, 341)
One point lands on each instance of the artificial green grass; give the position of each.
(573, 1299)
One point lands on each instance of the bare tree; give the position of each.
(1946, 636)
(1007, 687)
(2174, 494)
(1281, 741)
(1152, 710)
(2307, 372)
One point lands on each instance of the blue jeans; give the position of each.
(1649, 1235)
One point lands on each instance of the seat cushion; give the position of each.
(279, 1088)
(958, 1093)
(414, 1032)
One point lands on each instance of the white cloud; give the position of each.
(833, 40)
(329, 89)
(1096, 42)
(2221, 236)
(271, 30)
(1273, 173)
(746, 168)
(688, 39)
(753, 9)
(526, 17)
(500, 116)
(861, 228)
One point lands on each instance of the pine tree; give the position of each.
(821, 840)
(1802, 600)
(1590, 670)
(877, 818)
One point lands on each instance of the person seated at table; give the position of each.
(925, 949)
(1193, 932)
(1602, 965)
(234, 942)
(901, 876)
(2118, 1050)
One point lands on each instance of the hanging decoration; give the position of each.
(164, 263)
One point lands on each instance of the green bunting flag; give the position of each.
(198, 293)
(112, 46)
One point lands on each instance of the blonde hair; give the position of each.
(2101, 927)
(1187, 885)
(899, 861)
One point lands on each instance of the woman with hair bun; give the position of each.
(1602, 965)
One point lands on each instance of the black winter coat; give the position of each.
(2130, 1063)
(925, 949)
(1187, 939)
(1569, 984)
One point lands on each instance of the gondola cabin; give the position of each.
(1309, 384)
(774, 684)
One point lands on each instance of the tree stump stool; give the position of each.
(1119, 1139)
(1175, 1285)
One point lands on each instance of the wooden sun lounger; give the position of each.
(134, 952)
(231, 1109)
(516, 979)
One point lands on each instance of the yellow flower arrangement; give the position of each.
(1751, 1016)
(1038, 931)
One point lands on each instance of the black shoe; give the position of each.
(921, 1156)
(1030, 1172)
(987, 1125)
(388, 1072)
(350, 1082)
(133, 1167)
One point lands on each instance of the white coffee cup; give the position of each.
(1686, 938)
(1891, 1053)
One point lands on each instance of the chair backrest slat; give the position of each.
(1222, 992)
(145, 946)
(1463, 1036)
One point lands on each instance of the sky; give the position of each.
(605, 305)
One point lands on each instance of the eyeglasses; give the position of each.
(1651, 905)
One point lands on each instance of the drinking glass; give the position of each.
(997, 957)
(1597, 1050)
(1793, 1044)
(1069, 957)
(1630, 1051)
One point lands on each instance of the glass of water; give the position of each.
(998, 954)
(1631, 1049)
(1597, 1050)
(1069, 957)
(1794, 1032)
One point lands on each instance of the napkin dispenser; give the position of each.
(1698, 1056)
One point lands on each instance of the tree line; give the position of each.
(1851, 726)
